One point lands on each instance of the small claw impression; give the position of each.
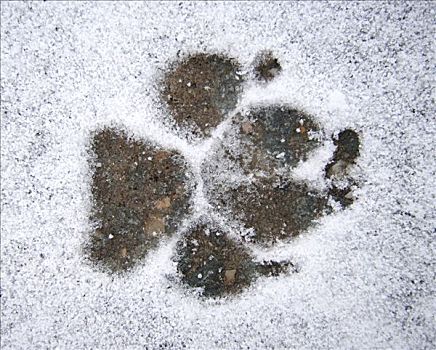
(346, 153)
(140, 194)
(210, 260)
(267, 67)
(201, 90)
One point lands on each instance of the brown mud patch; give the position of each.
(272, 141)
(210, 260)
(201, 90)
(274, 210)
(140, 195)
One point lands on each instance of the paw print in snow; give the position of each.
(142, 192)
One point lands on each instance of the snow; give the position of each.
(366, 275)
(337, 100)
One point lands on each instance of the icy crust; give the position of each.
(366, 275)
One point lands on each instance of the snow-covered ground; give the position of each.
(367, 273)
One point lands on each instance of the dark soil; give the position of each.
(267, 67)
(274, 140)
(271, 141)
(275, 210)
(140, 195)
(342, 195)
(201, 90)
(276, 137)
(347, 151)
(210, 260)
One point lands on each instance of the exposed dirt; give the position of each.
(276, 137)
(273, 140)
(201, 90)
(346, 153)
(264, 142)
(267, 67)
(347, 150)
(275, 210)
(140, 195)
(208, 259)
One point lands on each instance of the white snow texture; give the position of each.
(366, 277)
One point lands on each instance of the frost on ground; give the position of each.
(357, 74)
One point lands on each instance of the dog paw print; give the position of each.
(142, 193)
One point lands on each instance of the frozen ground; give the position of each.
(367, 273)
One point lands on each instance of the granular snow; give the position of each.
(366, 275)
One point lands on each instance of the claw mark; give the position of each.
(267, 67)
(347, 150)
